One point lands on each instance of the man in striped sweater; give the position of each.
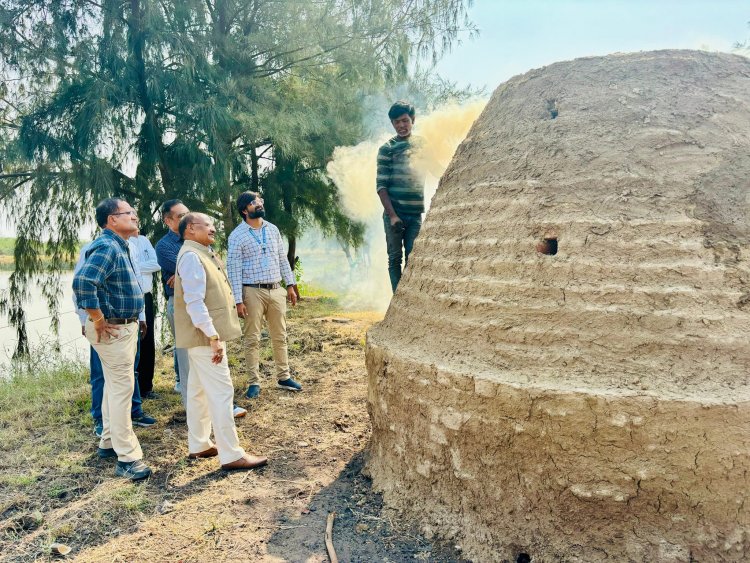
(401, 189)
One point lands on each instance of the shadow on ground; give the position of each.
(363, 529)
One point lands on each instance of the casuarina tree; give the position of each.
(199, 100)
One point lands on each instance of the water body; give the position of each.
(72, 343)
(42, 340)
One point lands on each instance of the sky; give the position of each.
(518, 35)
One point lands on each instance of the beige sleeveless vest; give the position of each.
(219, 301)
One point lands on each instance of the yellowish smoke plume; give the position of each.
(353, 170)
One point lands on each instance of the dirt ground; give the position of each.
(193, 511)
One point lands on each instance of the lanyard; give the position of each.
(261, 241)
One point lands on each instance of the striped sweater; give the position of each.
(405, 186)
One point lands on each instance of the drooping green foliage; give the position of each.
(197, 99)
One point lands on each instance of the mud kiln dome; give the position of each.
(564, 370)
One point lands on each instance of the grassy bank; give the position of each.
(7, 246)
(47, 442)
(6, 253)
(54, 488)
(52, 485)
(47, 464)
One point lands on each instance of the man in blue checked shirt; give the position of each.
(137, 415)
(256, 265)
(107, 288)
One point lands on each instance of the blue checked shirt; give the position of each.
(247, 262)
(107, 280)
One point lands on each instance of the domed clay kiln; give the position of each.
(564, 368)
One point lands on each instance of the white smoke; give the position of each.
(353, 170)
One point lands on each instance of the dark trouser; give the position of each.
(399, 241)
(146, 363)
(97, 388)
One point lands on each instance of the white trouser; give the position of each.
(117, 354)
(210, 402)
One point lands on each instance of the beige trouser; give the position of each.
(210, 401)
(272, 304)
(117, 354)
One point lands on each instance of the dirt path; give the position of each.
(190, 511)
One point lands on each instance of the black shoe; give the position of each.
(133, 470)
(151, 396)
(105, 453)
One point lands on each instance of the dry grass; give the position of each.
(53, 488)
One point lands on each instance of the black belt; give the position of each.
(116, 321)
(276, 285)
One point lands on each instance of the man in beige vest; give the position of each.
(204, 318)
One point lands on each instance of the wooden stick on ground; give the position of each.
(329, 538)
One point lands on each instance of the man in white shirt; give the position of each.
(205, 318)
(144, 260)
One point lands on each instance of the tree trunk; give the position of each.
(291, 253)
(228, 215)
(290, 256)
(254, 180)
(151, 129)
(220, 18)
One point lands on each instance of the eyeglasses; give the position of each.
(131, 213)
(256, 202)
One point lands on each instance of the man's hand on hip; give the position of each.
(103, 328)
(241, 310)
(217, 347)
(291, 294)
